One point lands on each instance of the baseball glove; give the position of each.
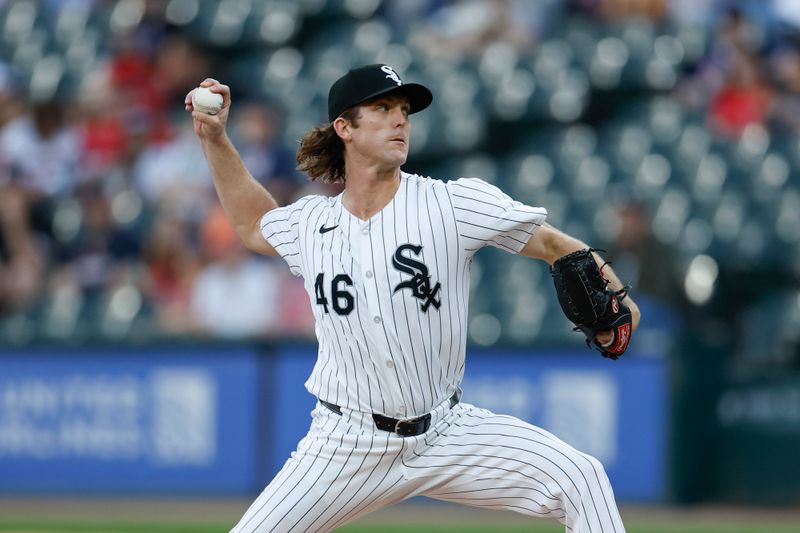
(588, 302)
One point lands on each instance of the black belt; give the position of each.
(410, 427)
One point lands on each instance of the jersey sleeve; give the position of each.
(281, 229)
(485, 215)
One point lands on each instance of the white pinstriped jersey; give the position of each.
(390, 298)
(390, 294)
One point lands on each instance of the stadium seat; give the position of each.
(18, 329)
(771, 336)
(274, 23)
(767, 183)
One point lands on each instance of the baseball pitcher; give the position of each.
(386, 265)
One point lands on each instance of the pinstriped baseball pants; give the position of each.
(346, 468)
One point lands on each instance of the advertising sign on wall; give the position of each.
(100, 420)
(223, 420)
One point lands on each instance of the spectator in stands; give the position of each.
(150, 68)
(39, 158)
(112, 131)
(41, 149)
(295, 320)
(22, 259)
(99, 247)
(730, 85)
(171, 264)
(644, 261)
(653, 9)
(172, 175)
(692, 13)
(463, 29)
(20, 264)
(235, 295)
(744, 98)
(256, 132)
(785, 111)
(11, 103)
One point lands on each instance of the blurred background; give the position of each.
(140, 340)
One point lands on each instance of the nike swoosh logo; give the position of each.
(323, 229)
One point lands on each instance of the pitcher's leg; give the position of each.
(478, 458)
(297, 490)
(334, 477)
(369, 482)
(492, 493)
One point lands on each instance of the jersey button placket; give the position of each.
(369, 237)
(371, 290)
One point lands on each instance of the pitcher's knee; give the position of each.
(595, 465)
(593, 473)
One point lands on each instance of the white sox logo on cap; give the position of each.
(391, 74)
(370, 81)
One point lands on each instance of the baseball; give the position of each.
(206, 101)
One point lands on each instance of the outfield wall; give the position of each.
(221, 419)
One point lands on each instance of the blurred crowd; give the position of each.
(109, 223)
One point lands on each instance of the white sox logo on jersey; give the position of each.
(420, 282)
(392, 75)
(419, 245)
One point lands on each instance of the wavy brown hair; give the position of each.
(321, 151)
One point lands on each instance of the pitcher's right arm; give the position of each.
(244, 200)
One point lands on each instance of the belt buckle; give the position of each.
(406, 421)
(412, 421)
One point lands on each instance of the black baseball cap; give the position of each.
(363, 83)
